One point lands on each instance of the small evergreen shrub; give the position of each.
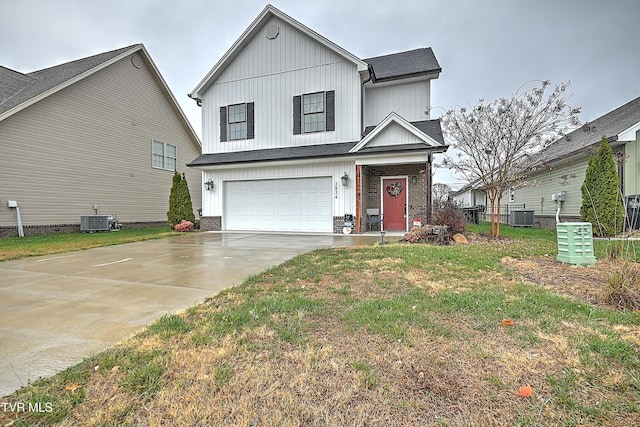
(180, 205)
(601, 200)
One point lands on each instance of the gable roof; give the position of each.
(19, 91)
(267, 13)
(394, 118)
(616, 125)
(28, 88)
(401, 65)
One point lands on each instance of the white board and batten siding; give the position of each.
(269, 73)
(276, 194)
(408, 99)
(90, 143)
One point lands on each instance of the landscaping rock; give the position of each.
(459, 238)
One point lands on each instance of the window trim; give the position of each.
(329, 112)
(163, 155)
(323, 112)
(226, 124)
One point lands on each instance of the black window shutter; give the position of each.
(223, 124)
(331, 110)
(250, 121)
(297, 115)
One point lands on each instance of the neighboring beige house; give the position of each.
(104, 130)
(560, 169)
(299, 133)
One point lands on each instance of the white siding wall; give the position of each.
(270, 73)
(394, 135)
(91, 144)
(409, 100)
(343, 197)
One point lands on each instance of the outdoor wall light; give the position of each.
(345, 179)
(210, 185)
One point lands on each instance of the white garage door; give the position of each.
(296, 204)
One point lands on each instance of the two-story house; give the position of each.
(298, 132)
(102, 134)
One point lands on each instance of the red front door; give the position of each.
(394, 204)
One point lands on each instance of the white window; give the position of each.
(313, 112)
(238, 121)
(163, 156)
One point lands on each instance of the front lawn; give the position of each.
(21, 247)
(393, 335)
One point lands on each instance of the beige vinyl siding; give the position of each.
(91, 144)
(270, 73)
(568, 177)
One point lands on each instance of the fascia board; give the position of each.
(630, 133)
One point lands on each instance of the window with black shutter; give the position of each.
(314, 112)
(237, 122)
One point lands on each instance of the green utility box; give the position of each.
(575, 243)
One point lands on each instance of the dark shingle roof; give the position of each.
(608, 125)
(299, 153)
(17, 88)
(400, 65)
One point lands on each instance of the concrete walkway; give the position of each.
(56, 310)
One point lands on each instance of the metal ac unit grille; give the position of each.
(521, 218)
(98, 223)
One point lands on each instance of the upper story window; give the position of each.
(314, 112)
(163, 156)
(237, 122)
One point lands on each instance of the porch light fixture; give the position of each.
(345, 179)
(210, 185)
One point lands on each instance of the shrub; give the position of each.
(623, 289)
(184, 226)
(448, 213)
(180, 205)
(601, 200)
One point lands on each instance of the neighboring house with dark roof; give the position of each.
(562, 166)
(298, 132)
(104, 130)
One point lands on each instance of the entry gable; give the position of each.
(394, 131)
(268, 24)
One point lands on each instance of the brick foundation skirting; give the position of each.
(40, 230)
(211, 223)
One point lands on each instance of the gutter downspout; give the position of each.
(371, 75)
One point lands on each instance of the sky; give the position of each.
(487, 48)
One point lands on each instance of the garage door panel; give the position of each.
(296, 204)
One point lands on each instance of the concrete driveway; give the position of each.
(56, 310)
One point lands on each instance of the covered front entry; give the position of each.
(291, 204)
(394, 203)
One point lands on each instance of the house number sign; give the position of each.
(335, 189)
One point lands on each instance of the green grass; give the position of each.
(21, 247)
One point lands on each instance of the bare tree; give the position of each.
(495, 141)
(441, 192)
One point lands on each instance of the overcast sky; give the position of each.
(486, 49)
